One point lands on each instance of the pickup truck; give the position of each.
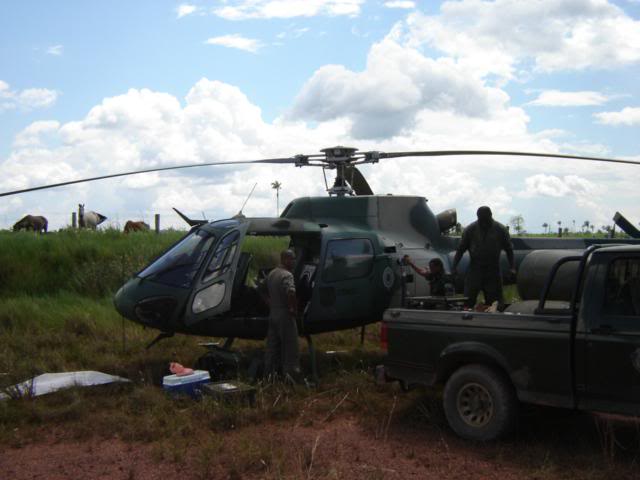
(576, 346)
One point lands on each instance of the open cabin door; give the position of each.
(211, 294)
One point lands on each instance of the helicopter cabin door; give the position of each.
(213, 289)
(344, 294)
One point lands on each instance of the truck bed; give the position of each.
(425, 346)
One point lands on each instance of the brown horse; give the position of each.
(132, 226)
(33, 223)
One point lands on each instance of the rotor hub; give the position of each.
(336, 155)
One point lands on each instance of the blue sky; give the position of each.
(101, 87)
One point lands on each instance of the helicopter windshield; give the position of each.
(179, 265)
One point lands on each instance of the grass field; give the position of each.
(56, 315)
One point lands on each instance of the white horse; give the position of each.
(89, 219)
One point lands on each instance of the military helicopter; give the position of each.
(348, 246)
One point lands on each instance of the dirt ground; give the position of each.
(339, 448)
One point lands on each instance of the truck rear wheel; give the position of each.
(480, 404)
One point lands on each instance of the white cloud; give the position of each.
(400, 4)
(247, 9)
(629, 116)
(586, 193)
(27, 99)
(236, 41)
(35, 133)
(144, 129)
(557, 98)
(292, 33)
(216, 122)
(185, 9)
(503, 36)
(396, 85)
(55, 50)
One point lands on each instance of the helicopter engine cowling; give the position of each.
(534, 271)
(447, 219)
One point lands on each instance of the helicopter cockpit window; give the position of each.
(347, 259)
(179, 265)
(222, 257)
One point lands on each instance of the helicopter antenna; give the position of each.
(247, 199)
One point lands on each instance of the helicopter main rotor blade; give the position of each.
(444, 153)
(149, 170)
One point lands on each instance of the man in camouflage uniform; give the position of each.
(282, 337)
(484, 239)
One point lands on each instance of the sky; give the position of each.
(92, 88)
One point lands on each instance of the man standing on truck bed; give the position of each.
(282, 337)
(484, 239)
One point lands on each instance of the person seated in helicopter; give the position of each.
(434, 274)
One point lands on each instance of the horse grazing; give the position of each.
(132, 226)
(34, 223)
(89, 219)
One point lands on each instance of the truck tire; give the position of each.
(480, 403)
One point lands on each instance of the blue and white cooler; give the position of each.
(186, 384)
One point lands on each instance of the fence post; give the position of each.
(157, 223)
(74, 222)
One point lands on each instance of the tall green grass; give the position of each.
(86, 262)
(91, 263)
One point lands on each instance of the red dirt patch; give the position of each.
(338, 449)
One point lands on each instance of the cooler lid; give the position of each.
(196, 376)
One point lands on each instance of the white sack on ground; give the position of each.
(50, 382)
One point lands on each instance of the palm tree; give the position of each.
(545, 225)
(277, 186)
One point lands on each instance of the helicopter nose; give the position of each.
(124, 299)
(148, 304)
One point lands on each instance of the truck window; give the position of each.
(347, 259)
(622, 290)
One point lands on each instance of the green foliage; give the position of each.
(87, 262)
(93, 263)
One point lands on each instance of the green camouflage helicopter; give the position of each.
(348, 246)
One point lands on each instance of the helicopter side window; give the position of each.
(222, 257)
(347, 259)
(179, 265)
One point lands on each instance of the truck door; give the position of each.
(612, 347)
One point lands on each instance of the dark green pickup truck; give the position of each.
(577, 345)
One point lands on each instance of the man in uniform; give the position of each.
(282, 337)
(484, 239)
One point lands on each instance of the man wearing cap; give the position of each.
(282, 337)
(485, 239)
